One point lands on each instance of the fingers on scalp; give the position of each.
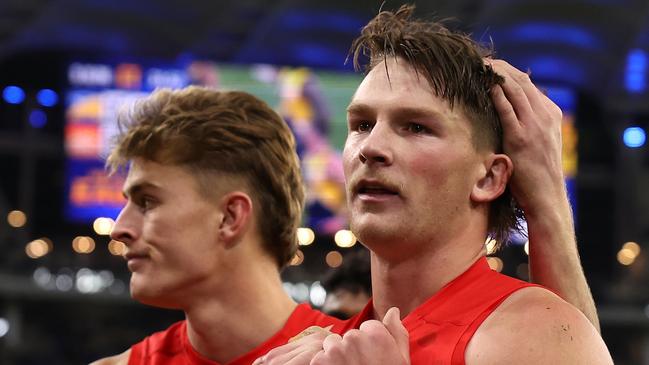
(553, 108)
(520, 78)
(523, 78)
(502, 105)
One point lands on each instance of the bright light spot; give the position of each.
(37, 118)
(634, 137)
(636, 71)
(88, 281)
(317, 294)
(50, 244)
(116, 248)
(4, 327)
(84, 271)
(82, 74)
(16, 218)
(298, 291)
(42, 276)
(103, 226)
(288, 288)
(526, 248)
(625, 257)
(633, 247)
(47, 97)
(495, 263)
(83, 244)
(491, 244)
(345, 238)
(13, 94)
(37, 248)
(297, 259)
(86, 284)
(301, 292)
(64, 282)
(107, 278)
(305, 236)
(334, 259)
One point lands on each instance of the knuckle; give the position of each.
(370, 324)
(353, 335)
(338, 350)
(271, 355)
(522, 77)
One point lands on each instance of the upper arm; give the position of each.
(121, 359)
(534, 326)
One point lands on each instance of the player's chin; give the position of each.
(161, 296)
(141, 290)
(375, 231)
(154, 300)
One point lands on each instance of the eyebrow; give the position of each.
(136, 188)
(404, 111)
(358, 108)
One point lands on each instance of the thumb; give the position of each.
(392, 322)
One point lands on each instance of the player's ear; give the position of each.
(237, 213)
(498, 170)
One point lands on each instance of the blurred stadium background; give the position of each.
(67, 65)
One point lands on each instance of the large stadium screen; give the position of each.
(313, 103)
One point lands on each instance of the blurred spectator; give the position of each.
(349, 286)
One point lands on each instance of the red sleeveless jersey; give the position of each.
(441, 327)
(172, 346)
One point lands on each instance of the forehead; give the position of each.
(394, 82)
(147, 173)
(181, 181)
(394, 86)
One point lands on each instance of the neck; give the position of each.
(247, 309)
(408, 283)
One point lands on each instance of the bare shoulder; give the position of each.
(121, 359)
(535, 326)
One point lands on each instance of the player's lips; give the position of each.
(375, 190)
(134, 260)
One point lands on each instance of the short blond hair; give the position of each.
(215, 132)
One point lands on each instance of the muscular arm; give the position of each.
(534, 326)
(532, 139)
